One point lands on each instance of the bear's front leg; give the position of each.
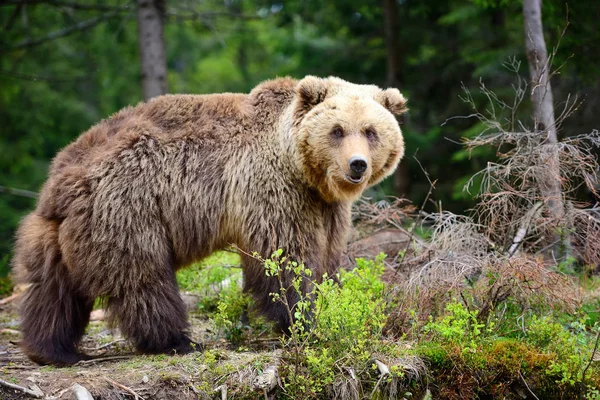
(154, 317)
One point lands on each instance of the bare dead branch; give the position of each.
(80, 26)
(124, 388)
(38, 394)
(591, 356)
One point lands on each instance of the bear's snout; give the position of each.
(358, 166)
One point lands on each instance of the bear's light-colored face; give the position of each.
(348, 138)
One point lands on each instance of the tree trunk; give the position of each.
(390, 23)
(152, 47)
(543, 108)
(394, 77)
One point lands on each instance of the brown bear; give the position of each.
(163, 184)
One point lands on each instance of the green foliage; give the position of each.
(549, 354)
(230, 309)
(459, 327)
(210, 277)
(5, 286)
(337, 325)
(571, 346)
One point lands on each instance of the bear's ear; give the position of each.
(310, 91)
(393, 100)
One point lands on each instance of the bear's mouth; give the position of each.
(355, 180)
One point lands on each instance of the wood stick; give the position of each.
(123, 387)
(10, 298)
(29, 392)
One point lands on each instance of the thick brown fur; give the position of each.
(158, 186)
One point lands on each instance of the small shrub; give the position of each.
(231, 306)
(459, 327)
(338, 327)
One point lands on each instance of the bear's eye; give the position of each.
(337, 132)
(370, 133)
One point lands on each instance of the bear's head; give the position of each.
(346, 135)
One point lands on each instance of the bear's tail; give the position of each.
(53, 313)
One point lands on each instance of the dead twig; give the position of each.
(123, 387)
(103, 359)
(527, 386)
(13, 296)
(104, 345)
(591, 357)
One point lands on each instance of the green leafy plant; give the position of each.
(337, 325)
(459, 327)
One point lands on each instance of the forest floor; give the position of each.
(542, 341)
(222, 370)
(118, 372)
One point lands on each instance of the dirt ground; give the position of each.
(119, 373)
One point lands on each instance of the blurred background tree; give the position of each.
(66, 64)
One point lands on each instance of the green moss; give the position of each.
(6, 286)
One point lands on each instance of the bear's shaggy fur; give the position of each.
(158, 186)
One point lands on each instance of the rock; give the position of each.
(97, 315)
(267, 380)
(80, 393)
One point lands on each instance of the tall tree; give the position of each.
(543, 107)
(151, 15)
(394, 76)
(390, 19)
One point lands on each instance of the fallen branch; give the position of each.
(104, 345)
(103, 359)
(38, 394)
(10, 331)
(532, 215)
(123, 387)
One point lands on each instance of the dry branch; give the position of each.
(37, 393)
(124, 388)
(10, 298)
(80, 26)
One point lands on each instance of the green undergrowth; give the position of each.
(217, 281)
(210, 277)
(470, 358)
(345, 323)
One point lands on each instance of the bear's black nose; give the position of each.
(358, 166)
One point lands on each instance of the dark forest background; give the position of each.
(66, 64)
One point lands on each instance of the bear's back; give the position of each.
(214, 119)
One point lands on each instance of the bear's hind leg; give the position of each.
(54, 311)
(53, 321)
(153, 316)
